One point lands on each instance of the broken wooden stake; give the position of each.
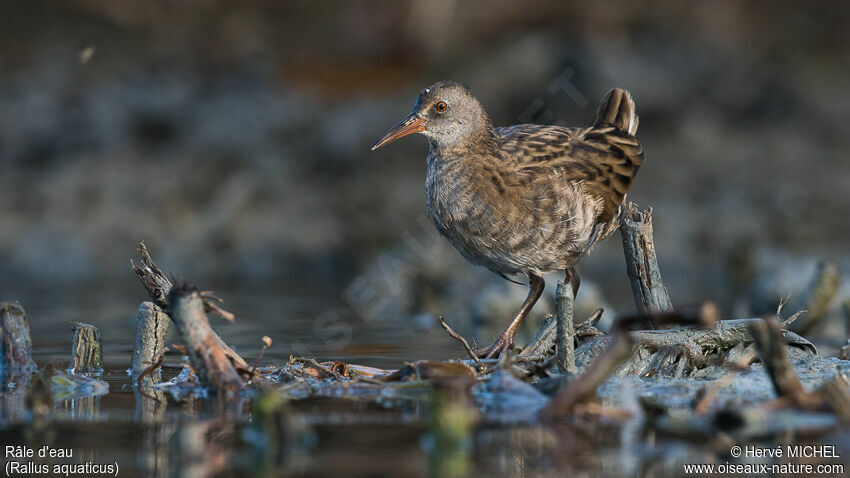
(208, 358)
(641, 262)
(564, 326)
(86, 349)
(16, 362)
(151, 329)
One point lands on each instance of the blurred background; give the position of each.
(234, 138)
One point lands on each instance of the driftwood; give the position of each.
(16, 362)
(564, 327)
(641, 262)
(86, 349)
(211, 361)
(819, 296)
(159, 287)
(151, 329)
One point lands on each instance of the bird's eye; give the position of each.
(441, 106)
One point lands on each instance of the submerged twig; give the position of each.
(155, 364)
(459, 338)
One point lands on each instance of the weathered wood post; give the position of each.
(151, 330)
(16, 362)
(565, 329)
(86, 349)
(641, 262)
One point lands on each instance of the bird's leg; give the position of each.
(506, 340)
(573, 278)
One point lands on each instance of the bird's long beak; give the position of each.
(412, 124)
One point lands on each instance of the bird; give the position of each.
(526, 199)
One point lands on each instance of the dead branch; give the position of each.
(771, 347)
(821, 291)
(641, 262)
(459, 338)
(584, 387)
(159, 287)
(206, 355)
(152, 277)
(564, 326)
(86, 349)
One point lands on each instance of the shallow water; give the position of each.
(388, 435)
(299, 320)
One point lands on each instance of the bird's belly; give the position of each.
(506, 236)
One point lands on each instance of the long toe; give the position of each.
(495, 350)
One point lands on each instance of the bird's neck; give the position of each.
(476, 140)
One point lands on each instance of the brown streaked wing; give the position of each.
(604, 159)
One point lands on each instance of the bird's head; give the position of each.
(446, 113)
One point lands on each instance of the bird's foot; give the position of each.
(494, 351)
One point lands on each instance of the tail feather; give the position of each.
(618, 110)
